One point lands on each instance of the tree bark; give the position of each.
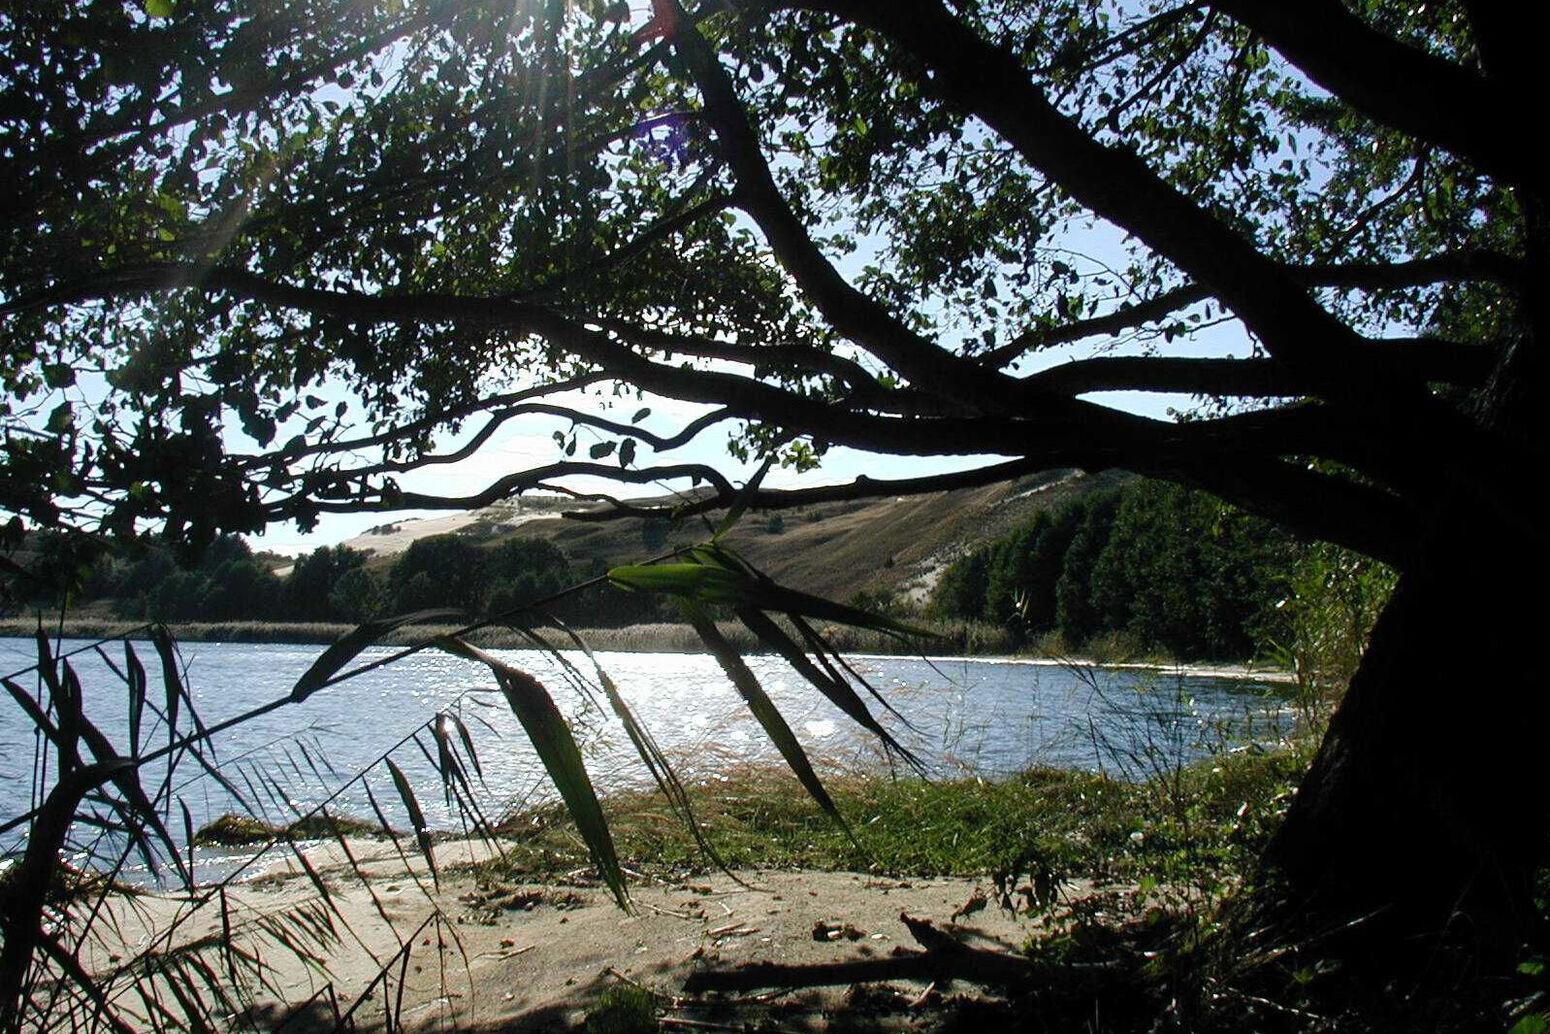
(1424, 815)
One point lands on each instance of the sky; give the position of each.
(528, 441)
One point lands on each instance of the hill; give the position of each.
(890, 548)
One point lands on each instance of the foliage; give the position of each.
(1080, 825)
(1174, 571)
(262, 263)
(1331, 600)
(279, 264)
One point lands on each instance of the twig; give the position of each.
(687, 917)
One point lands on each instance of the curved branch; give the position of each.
(500, 489)
(742, 396)
(862, 487)
(1366, 276)
(852, 313)
(1421, 359)
(1335, 509)
(990, 82)
(626, 253)
(426, 423)
(817, 360)
(1420, 94)
(658, 442)
(1123, 318)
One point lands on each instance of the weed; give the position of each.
(625, 1009)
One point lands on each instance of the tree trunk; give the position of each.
(1425, 810)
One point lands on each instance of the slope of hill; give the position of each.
(890, 548)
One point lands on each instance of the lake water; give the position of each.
(988, 717)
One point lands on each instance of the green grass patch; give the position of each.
(1205, 823)
(232, 829)
(623, 1010)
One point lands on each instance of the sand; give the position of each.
(470, 952)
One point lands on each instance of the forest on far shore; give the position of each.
(1154, 568)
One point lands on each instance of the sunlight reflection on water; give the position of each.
(988, 717)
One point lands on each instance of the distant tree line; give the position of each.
(333, 583)
(1169, 569)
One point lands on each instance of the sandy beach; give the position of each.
(468, 951)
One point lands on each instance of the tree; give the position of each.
(308, 589)
(834, 223)
(438, 571)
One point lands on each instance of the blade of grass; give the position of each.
(744, 497)
(651, 756)
(839, 692)
(342, 652)
(188, 836)
(550, 735)
(765, 712)
(137, 683)
(422, 834)
(387, 830)
(468, 744)
(834, 662)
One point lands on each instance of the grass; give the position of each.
(1155, 939)
(1203, 828)
(623, 1010)
(1144, 867)
(244, 829)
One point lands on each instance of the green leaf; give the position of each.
(61, 419)
(651, 755)
(764, 711)
(346, 649)
(468, 743)
(1535, 1023)
(744, 497)
(839, 693)
(715, 574)
(550, 735)
(422, 834)
(700, 582)
(137, 682)
(158, 8)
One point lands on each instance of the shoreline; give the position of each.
(653, 638)
(533, 942)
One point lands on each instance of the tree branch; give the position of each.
(1420, 94)
(658, 442)
(990, 82)
(500, 489)
(862, 487)
(399, 432)
(1419, 358)
(853, 314)
(626, 253)
(1365, 276)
